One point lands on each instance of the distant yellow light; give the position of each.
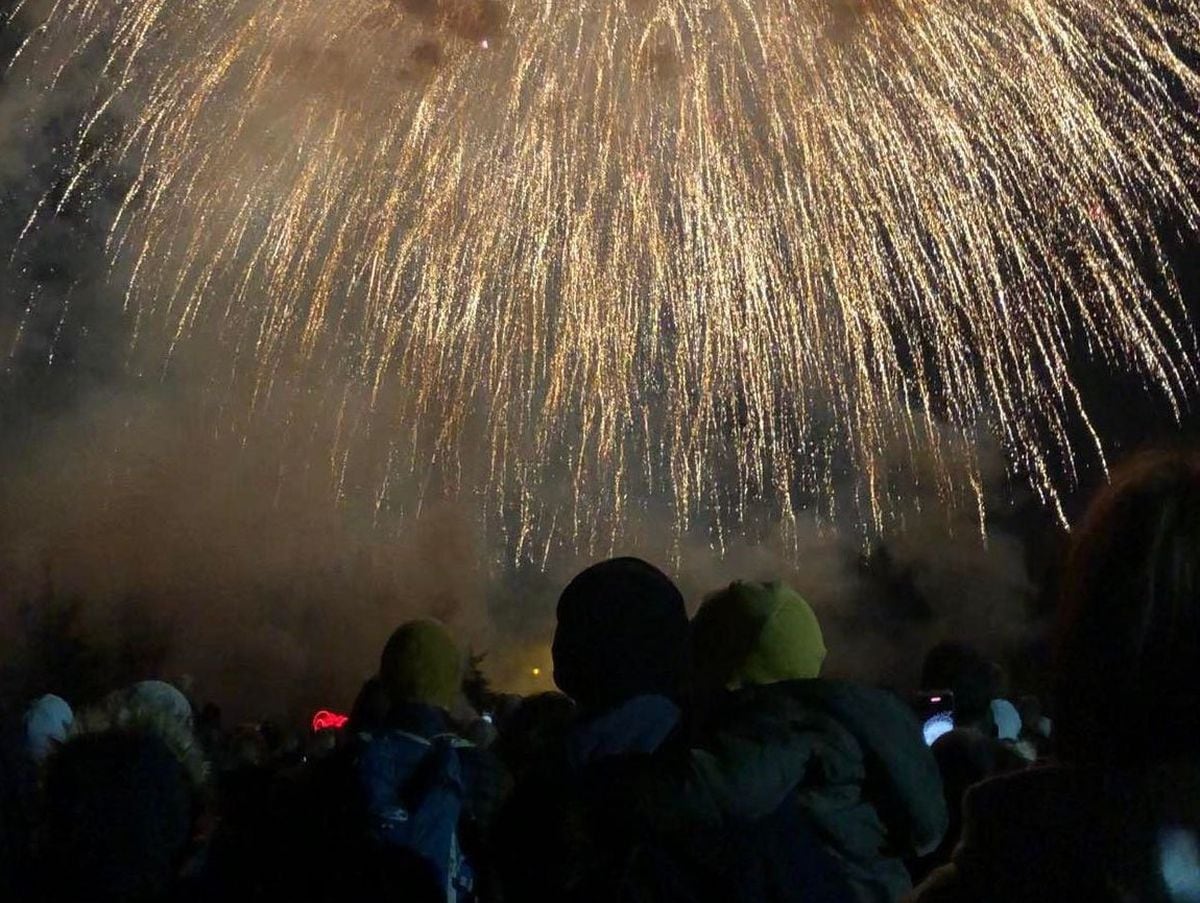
(537, 672)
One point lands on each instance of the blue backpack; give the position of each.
(413, 789)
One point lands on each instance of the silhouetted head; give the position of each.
(118, 818)
(621, 631)
(534, 731)
(1128, 675)
(972, 678)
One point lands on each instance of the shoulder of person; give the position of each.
(1031, 815)
(840, 697)
(1021, 789)
(943, 885)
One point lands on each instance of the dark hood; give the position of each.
(621, 632)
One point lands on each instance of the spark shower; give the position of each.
(562, 256)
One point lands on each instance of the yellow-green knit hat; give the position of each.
(421, 663)
(754, 633)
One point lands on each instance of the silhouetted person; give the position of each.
(429, 795)
(972, 678)
(47, 721)
(832, 782)
(972, 751)
(1118, 818)
(118, 820)
(618, 654)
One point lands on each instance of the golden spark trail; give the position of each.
(732, 253)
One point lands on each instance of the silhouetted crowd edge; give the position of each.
(682, 761)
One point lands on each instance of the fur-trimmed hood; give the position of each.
(133, 712)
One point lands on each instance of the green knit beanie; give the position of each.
(754, 633)
(421, 663)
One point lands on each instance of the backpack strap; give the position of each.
(452, 740)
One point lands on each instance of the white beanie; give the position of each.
(160, 696)
(1007, 718)
(46, 723)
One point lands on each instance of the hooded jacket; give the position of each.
(851, 760)
(122, 795)
(846, 765)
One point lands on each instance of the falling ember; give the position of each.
(718, 253)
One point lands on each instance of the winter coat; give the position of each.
(965, 757)
(484, 778)
(546, 849)
(1057, 833)
(850, 760)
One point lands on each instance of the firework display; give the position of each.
(571, 254)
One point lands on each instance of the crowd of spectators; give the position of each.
(682, 760)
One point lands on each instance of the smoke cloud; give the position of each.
(229, 552)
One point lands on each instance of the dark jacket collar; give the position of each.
(638, 725)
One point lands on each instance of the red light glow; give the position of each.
(325, 720)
